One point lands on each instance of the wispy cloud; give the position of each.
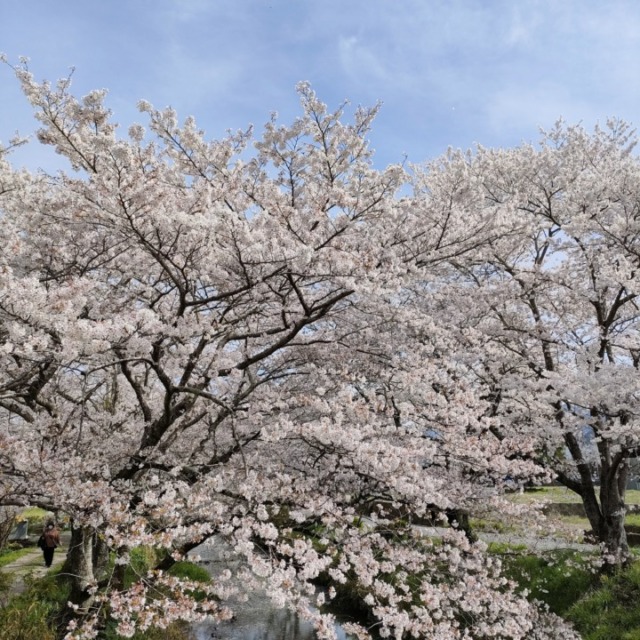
(448, 71)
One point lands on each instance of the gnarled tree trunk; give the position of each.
(606, 515)
(85, 564)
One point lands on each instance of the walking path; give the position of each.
(32, 564)
(532, 543)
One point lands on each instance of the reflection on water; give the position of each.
(266, 624)
(255, 619)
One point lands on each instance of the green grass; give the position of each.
(37, 614)
(8, 555)
(601, 607)
(610, 611)
(34, 614)
(548, 494)
(559, 578)
(562, 494)
(492, 525)
(6, 580)
(575, 520)
(36, 518)
(190, 571)
(631, 520)
(505, 548)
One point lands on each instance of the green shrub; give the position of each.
(194, 572)
(141, 560)
(36, 518)
(190, 571)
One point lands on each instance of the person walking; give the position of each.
(49, 540)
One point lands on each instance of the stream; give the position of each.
(255, 619)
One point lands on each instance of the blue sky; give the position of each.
(449, 73)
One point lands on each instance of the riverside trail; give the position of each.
(32, 564)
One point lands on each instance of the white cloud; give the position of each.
(506, 66)
(361, 62)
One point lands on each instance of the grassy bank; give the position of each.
(602, 607)
(559, 578)
(611, 610)
(39, 612)
(562, 494)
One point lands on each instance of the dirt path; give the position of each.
(32, 564)
(532, 543)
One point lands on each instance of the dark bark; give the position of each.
(459, 519)
(606, 518)
(605, 510)
(85, 565)
(612, 493)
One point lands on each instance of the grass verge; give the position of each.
(39, 612)
(34, 614)
(562, 494)
(36, 518)
(559, 578)
(7, 556)
(602, 607)
(610, 611)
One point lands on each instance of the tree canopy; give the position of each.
(268, 340)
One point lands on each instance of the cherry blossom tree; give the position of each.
(196, 343)
(552, 334)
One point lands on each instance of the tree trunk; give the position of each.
(606, 515)
(607, 525)
(459, 519)
(7, 522)
(592, 510)
(612, 493)
(85, 565)
(614, 538)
